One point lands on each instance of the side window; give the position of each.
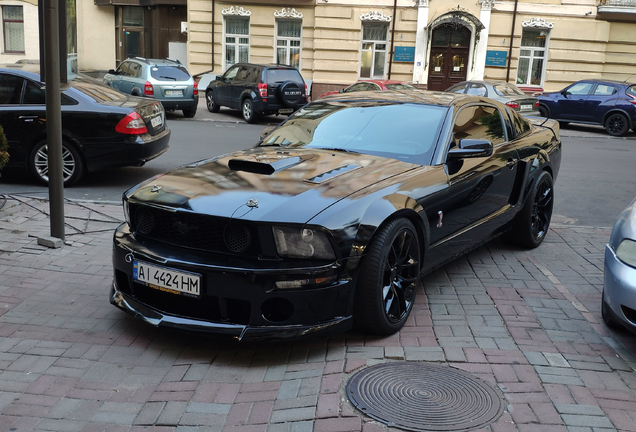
(242, 74)
(124, 69)
(34, 95)
(357, 87)
(604, 90)
(253, 75)
(580, 89)
(477, 89)
(479, 122)
(457, 88)
(135, 70)
(10, 89)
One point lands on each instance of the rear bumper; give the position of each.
(179, 104)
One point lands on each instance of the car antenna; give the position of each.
(628, 78)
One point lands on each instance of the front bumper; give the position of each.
(619, 285)
(238, 297)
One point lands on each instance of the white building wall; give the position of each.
(95, 36)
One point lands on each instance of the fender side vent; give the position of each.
(321, 178)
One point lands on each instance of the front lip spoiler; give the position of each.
(238, 331)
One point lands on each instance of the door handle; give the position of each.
(511, 163)
(28, 118)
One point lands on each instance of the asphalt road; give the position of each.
(595, 183)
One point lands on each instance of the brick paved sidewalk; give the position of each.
(528, 322)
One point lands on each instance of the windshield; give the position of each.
(401, 131)
(508, 90)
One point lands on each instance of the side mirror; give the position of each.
(266, 132)
(341, 91)
(470, 148)
(112, 71)
(565, 93)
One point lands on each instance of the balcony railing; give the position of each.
(619, 3)
(617, 10)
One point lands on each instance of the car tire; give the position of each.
(389, 279)
(531, 224)
(189, 113)
(616, 124)
(606, 314)
(543, 111)
(247, 110)
(72, 163)
(210, 102)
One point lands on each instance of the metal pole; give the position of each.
(54, 116)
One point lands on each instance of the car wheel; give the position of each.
(531, 224)
(616, 125)
(72, 164)
(189, 113)
(606, 314)
(211, 103)
(543, 111)
(247, 109)
(389, 278)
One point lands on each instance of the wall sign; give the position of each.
(404, 54)
(496, 58)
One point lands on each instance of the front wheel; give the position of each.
(389, 279)
(247, 109)
(72, 165)
(532, 222)
(210, 102)
(616, 125)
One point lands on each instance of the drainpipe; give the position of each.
(392, 38)
(512, 34)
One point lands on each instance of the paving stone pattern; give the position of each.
(528, 322)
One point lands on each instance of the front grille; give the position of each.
(195, 231)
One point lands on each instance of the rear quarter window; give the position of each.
(631, 91)
(169, 73)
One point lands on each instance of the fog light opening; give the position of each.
(277, 310)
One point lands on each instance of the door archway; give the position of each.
(448, 61)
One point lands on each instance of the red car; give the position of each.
(373, 85)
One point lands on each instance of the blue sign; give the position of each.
(404, 54)
(496, 58)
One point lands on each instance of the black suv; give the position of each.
(257, 89)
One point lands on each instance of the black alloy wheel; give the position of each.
(389, 279)
(211, 103)
(616, 125)
(247, 109)
(531, 225)
(72, 165)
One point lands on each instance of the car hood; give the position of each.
(267, 183)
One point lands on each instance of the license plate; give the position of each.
(285, 110)
(166, 279)
(526, 107)
(174, 93)
(156, 121)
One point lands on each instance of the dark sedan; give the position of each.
(334, 216)
(101, 127)
(501, 91)
(611, 104)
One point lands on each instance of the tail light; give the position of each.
(306, 92)
(148, 89)
(132, 124)
(536, 104)
(195, 90)
(632, 99)
(512, 104)
(262, 90)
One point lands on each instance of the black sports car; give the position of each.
(332, 219)
(101, 127)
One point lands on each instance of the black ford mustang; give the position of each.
(334, 216)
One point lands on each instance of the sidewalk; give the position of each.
(528, 322)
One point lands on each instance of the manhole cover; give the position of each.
(424, 397)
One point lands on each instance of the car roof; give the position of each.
(424, 97)
(488, 82)
(26, 70)
(266, 65)
(157, 62)
(606, 81)
(381, 81)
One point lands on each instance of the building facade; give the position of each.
(539, 45)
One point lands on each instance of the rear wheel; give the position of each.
(616, 125)
(211, 102)
(189, 113)
(389, 279)
(531, 224)
(247, 109)
(543, 111)
(72, 164)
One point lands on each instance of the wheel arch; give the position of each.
(618, 111)
(547, 108)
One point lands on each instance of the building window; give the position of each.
(288, 42)
(237, 40)
(13, 29)
(373, 55)
(532, 56)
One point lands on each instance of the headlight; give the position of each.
(626, 252)
(126, 211)
(302, 243)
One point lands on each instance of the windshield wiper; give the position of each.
(168, 77)
(337, 149)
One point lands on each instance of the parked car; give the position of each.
(101, 127)
(618, 305)
(611, 104)
(373, 85)
(333, 217)
(501, 91)
(165, 80)
(257, 90)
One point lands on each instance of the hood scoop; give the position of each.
(267, 164)
(320, 178)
